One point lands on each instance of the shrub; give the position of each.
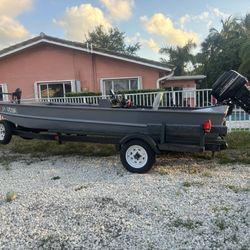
(73, 94)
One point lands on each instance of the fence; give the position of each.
(239, 120)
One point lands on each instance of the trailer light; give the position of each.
(207, 126)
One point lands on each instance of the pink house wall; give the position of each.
(179, 83)
(107, 67)
(47, 63)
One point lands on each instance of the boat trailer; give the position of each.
(139, 146)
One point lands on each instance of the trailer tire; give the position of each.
(137, 156)
(5, 132)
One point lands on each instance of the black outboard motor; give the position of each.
(231, 88)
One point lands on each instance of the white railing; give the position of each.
(75, 100)
(192, 98)
(239, 120)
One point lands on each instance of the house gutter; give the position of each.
(164, 78)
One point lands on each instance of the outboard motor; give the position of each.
(231, 88)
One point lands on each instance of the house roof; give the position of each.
(183, 78)
(42, 38)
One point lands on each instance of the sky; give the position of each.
(152, 23)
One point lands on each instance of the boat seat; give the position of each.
(157, 101)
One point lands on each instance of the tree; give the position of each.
(113, 40)
(179, 56)
(224, 50)
(244, 68)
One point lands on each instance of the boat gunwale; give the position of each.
(150, 110)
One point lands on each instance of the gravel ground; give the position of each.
(93, 203)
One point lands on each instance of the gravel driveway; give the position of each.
(93, 203)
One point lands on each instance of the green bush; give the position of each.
(135, 91)
(138, 91)
(73, 94)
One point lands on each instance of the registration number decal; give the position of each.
(9, 110)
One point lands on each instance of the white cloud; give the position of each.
(13, 8)
(119, 9)
(219, 13)
(152, 44)
(145, 43)
(208, 17)
(162, 25)
(203, 16)
(79, 20)
(183, 20)
(11, 30)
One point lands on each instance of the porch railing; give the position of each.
(192, 98)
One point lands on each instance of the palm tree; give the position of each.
(179, 56)
(244, 68)
(245, 48)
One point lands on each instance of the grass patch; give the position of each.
(81, 187)
(188, 223)
(223, 208)
(234, 156)
(238, 140)
(48, 242)
(37, 148)
(162, 170)
(55, 178)
(190, 184)
(237, 189)
(238, 148)
(238, 151)
(207, 174)
(221, 223)
(6, 160)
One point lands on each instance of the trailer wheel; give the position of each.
(5, 132)
(137, 156)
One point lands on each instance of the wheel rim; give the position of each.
(2, 132)
(136, 156)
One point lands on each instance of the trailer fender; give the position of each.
(149, 140)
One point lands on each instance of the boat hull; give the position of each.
(96, 120)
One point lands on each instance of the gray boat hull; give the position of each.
(98, 120)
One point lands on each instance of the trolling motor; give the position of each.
(15, 96)
(230, 89)
(120, 102)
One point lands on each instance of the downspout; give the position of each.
(164, 78)
(94, 74)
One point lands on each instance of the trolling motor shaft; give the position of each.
(15, 96)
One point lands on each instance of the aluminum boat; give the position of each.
(68, 118)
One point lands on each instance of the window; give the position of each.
(121, 84)
(54, 89)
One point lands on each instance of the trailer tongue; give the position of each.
(140, 133)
